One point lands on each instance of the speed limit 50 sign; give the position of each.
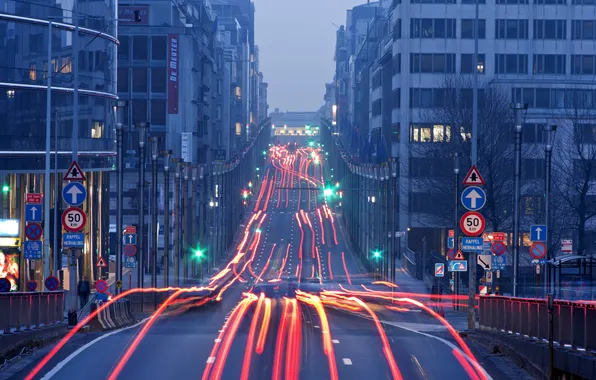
(74, 219)
(472, 223)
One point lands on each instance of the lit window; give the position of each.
(97, 130)
(66, 65)
(10, 94)
(447, 133)
(55, 65)
(438, 133)
(425, 134)
(238, 92)
(33, 71)
(251, 119)
(238, 129)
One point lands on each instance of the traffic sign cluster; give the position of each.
(33, 247)
(130, 246)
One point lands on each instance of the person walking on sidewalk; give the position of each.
(84, 289)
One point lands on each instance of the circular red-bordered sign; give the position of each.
(74, 219)
(130, 250)
(101, 286)
(538, 250)
(472, 223)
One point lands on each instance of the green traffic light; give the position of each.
(5, 188)
(328, 192)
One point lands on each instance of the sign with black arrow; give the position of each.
(485, 261)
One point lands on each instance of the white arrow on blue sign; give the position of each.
(33, 213)
(130, 239)
(538, 233)
(74, 193)
(473, 198)
(458, 266)
(450, 242)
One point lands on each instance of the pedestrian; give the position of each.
(84, 290)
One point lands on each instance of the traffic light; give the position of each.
(250, 184)
(198, 253)
(377, 253)
(244, 194)
(5, 188)
(328, 190)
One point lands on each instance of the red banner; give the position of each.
(126, 15)
(173, 55)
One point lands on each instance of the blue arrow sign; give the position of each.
(74, 193)
(538, 233)
(458, 266)
(473, 198)
(33, 250)
(130, 239)
(472, 244)
(33, 213)
(450, 242)
(439, 270)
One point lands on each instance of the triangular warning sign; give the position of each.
(101, 263)
(473, 177)
(74, 173)
(459, 256)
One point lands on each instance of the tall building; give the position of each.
(263, 105)
(85, 122)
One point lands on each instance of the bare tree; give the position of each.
(495, 132)
(574, 165)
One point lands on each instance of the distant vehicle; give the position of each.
(276, 290)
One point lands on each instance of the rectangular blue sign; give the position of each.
(472, 244)
(538, 233)
(458, 266)
(130, 239)
(33, 213)
(499, 262)
(130, 262)
(76, 240)
(450, 242)
(439, 270)
(33, 250)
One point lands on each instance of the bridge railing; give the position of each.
(24, 310)
(574, 322)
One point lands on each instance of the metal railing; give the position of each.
(574, 322)
(22, 311)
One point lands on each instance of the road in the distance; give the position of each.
(294, 236)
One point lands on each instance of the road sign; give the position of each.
(73, 240)
(74, 193)
(74, 219)
(130, 239)
(32, 250)
(33, 213)
(451, 233)
(459, 256)
(439, 270)
(74, 173)
(486, 246)
(33, 231)
(482, 289)
(31, 286)
(489, 277)
(450, 242)
(458, 266)
(130, 262)
(34, 198)
(52, 283)
(130, 250)
(119, 284)
(452, 255)
(472, 223)
(101, 263)
(473, 177)
(5, 285)
(473, 198)
(471, 244)
(498, 248)
(538, 250)
(498, 236)
(130, 230)
(499, 262)
(537, 269)
(538, 233)
(566, 246)
(101, 286)
(485, 261)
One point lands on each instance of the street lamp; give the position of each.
(455, 275)
(550, 130)
(121, 105)
(517, 108)
(154, 230)
(142, 127)
(167, 154)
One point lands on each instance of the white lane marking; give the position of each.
(335, 341)
(70, 357)
(211, 359)
(347, 361)
(316, 327)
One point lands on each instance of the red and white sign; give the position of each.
(485, 238)
(451, 233)
(74, 173)
(130, 230)
(101, 263)
(473, 178)
(567, 246)
(74, 219)
(34, 198)
(102, 286)
(483, 289)
(538, 250)
(498, 236)
(126, 15)
(472, 223)
(173, 77)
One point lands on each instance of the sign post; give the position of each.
(73, 221)
(33, 246)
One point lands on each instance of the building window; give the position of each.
(139, 80)
(433, 1)
(427, 97)
(583, 2)
(376, 80)
(158, 112)
(512, 2)
(396, 98)
(432, 63)
(467, 64)
(468, 28)
(33, 71)
(532, 205)
(533, 133)
(511, 64)
(97, 130)
(550, 29)
(533, 168)
(584, 133)
(550, 2)
(65, 66)
(432, 28)
(395, 133)
(549, 64)
(123, 80)
(396, 64)
(376, 107)
(139, 111)
(583, 29)
(159, 48)
(123, 49)
(238, 129)
(511, 29)
(238, 92)
(158, 80)
(582, 64)
(437, 133)
(139, 48)
(397, 30)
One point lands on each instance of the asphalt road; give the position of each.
(300, 340)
